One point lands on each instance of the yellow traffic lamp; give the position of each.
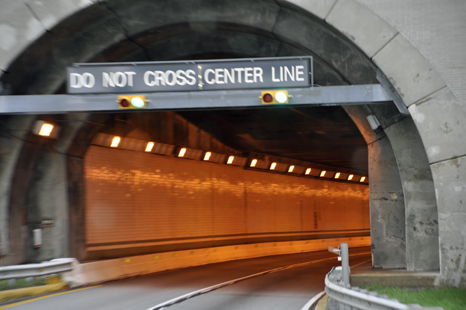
(132, 102)
(274, 96)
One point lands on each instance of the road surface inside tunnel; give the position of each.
(290, 288)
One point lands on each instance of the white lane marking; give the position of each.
(317, 297)
(217, 286)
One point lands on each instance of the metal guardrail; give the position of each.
(35, 270)
(339, 290)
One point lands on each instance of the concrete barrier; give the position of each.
(120, 268)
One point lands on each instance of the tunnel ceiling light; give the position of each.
(253, 162)
(323, 173)
(272, 166)
(308, 171)
(350, 177)
(230, 160)
(207, 155)
(362, 179)
(291, 168)
(149, 146)
(337, 175)
(45, 130)
(182, 152)
(115, 141)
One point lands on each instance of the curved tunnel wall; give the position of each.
(437, 114)
(138, 203)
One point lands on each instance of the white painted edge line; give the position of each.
(317, 297)
(217, 286)
(314, 299)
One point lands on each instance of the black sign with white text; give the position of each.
(190, 76)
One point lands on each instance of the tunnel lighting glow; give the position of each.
(337, 175)
(137, 102)
(230, 160)
(182, 152)
(253, 162)
(350, 177)
(291, 169)
(207, 155)
(308, 171)
(272, 166)
(281, 97)
(323, 173)
(149, 146)
(362, 179)
(115, 142)
(45, 130)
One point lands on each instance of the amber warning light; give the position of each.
(132, 102)
(274, 97)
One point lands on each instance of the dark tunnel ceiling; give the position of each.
(324, 135)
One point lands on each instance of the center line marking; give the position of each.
(184, 297)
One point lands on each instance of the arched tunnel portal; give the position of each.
(403, 202)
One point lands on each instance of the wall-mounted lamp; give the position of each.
(373, 121)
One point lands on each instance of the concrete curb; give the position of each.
(32, 291)
(322, 304)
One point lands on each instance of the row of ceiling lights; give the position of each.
(254, 163)
(45, 129)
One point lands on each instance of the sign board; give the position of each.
(147, 77)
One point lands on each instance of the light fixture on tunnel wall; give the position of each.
(272, 166)
(373, 121)
(291, 168)
(253, 162)
(207, 156)
(149, 146)
(230, 160)
(362, 179)
(182, 152)
(308, 171)
(350, 177)
(115, 141)
(274, 96)
(337, 175)
(44, 129)
(322, 173)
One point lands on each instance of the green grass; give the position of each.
(20, 283)
(447, 298)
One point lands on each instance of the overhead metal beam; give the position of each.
(313, 96)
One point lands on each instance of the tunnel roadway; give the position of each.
(288, 288)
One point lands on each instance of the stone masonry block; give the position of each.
(409, 72)
(320, 8)
(17, 29)
(440, 121)
(450, 185)
(420, 207)
(362, 26)
(53, 11)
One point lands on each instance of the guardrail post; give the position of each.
(345, 263)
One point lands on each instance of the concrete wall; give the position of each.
(142, 203)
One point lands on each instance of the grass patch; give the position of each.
(447, 298)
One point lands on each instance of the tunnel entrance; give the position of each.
(182, 30)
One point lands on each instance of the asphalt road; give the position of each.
(286, 289)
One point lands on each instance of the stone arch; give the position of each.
(436, 113)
